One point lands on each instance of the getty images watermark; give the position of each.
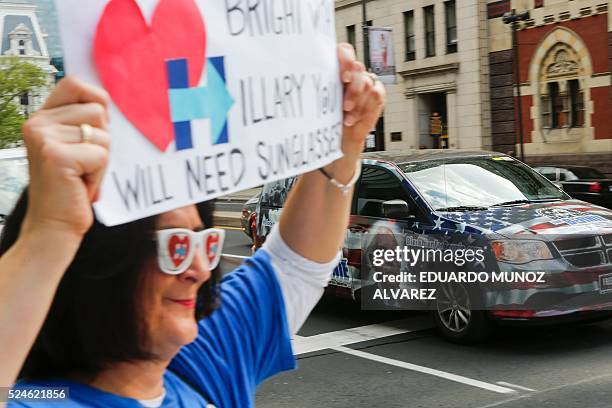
(427, 272)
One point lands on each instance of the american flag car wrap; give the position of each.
(565, 217)
(580, 235)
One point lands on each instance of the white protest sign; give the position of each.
(208, 96)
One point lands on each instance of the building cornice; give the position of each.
(16, 6)
(435, 69)
(341, 4)
(446, 87)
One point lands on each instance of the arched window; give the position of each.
(561, 94)
(562, 98)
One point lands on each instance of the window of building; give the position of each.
(409, 35)
(556, 105)
(430, 31)
(24, 99)
(351, 36)
(576, 104)
(546, 114)
(563, 108)
(451, 27)
(562, 98)
(396, 136)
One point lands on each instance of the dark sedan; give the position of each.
(583, 183)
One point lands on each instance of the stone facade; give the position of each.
(22, 37)
(455, 84)
(565, 57)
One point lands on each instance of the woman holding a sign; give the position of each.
(129, 316)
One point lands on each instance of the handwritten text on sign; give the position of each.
(208, 97)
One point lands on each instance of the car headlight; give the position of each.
(520, 251)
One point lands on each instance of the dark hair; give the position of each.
(94, 318)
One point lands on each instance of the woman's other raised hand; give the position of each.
(65, 169)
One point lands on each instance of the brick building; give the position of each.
(565, 57)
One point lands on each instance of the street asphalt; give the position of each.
(351, 358)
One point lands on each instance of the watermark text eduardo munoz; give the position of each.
(458, 257)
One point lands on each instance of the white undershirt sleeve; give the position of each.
(302, 281)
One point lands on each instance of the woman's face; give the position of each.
(169, 300)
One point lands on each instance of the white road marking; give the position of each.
(338, 339)
(427, 370)
(518, 387)
(353, 335)
(559, 387)
(235, 256)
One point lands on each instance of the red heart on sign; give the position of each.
(178, 248)
(131, 60)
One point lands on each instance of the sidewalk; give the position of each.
(227, 219)
(243, 195)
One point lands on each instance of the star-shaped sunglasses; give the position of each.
(176, 248)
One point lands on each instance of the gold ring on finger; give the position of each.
(86, 133)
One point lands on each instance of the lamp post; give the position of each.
(513, 18)
(379, 130)
(366, 34)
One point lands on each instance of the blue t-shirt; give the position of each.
(237, 348)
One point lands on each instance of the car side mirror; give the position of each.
(396, 209)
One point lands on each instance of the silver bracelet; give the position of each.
(344, 188)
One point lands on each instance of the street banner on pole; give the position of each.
(208, 97)
(382, 57)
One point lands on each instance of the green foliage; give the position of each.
(16, 78)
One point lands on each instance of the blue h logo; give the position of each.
(186, 104)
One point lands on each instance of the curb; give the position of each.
(227, 219)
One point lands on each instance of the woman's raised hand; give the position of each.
(65, 169)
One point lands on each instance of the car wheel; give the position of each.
(456, 318)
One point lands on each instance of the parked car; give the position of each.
(583, 183)
(248, 218)
(459, 199)
(13, 179)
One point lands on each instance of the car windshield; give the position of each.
(479, 182)
(13, 179)
(586, 173)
